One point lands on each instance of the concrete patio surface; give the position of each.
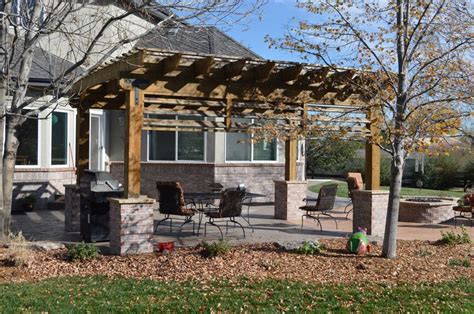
(45, 225)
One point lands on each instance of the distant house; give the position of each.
(46, 155)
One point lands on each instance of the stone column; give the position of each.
(131, 225)
(370, 211)
(289, 197)
(72, 208)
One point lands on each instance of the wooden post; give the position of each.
(228, 114)
(133, 139)
(372, 151)
(82, 143)
(291, 156)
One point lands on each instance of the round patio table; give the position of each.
(201, 198)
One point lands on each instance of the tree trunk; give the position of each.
(9, 157)
(390, 237)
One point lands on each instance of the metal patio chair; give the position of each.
(462, 211)
(324, 203)
(172, 203)
(230, 207)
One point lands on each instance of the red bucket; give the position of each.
(166, 246)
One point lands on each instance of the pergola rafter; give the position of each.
(147, 82)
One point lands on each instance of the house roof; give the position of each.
(45, 65)
(208, 40)
(174, 37)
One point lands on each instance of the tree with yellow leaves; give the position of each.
(422, 53)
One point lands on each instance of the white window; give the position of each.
(59, 138)
(176, 145)
(239, 147)
(28, 150)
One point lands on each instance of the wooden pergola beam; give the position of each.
(108, 72)
(287, 74)
(203, 66)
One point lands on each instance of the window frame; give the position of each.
(176, 141)
(50, 143)
(252, 160)
(39, 151)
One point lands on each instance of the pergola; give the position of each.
(146, 82)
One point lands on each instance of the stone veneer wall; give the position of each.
(196, 177)
(370, 211)
(45, 183)
(131, 226)
(72, 208)
(289, 197)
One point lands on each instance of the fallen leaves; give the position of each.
(261, 261)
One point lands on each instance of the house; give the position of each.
(46, 156)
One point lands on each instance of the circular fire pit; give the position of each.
(432, 210)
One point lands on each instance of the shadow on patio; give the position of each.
(44, 225)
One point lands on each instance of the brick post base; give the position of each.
(131, 225)
(370, 211)
(289, 197)
(72, 208)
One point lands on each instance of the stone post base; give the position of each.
(289, 197)
(72, 208)
(131, 225)
(370, 211)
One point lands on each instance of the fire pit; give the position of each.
(432, 210)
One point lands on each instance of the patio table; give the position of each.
(200, 197)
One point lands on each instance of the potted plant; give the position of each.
(28, 202)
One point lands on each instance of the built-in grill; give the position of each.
(96, 187)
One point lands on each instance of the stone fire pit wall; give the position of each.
(426, 212)
(131, 225)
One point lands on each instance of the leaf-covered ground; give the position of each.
(99, 294)
(417, 262)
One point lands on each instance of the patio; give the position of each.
(45, 225)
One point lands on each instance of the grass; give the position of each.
(342, 190)
(99, 294)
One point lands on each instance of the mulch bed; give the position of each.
(418, 261)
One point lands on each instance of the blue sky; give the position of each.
(275, 18)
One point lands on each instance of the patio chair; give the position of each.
(324, 203)
(354, 183)
(171, 202)
(230, 207)
(465, 209)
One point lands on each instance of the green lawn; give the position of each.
(342, 190)
(98, 294)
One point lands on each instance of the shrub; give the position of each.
(309, 248)
(441, 172)
(452, 238)
(82, 252)
(214, 249)
(18, 253)
(464, 262)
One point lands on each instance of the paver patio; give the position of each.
(45, 225)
